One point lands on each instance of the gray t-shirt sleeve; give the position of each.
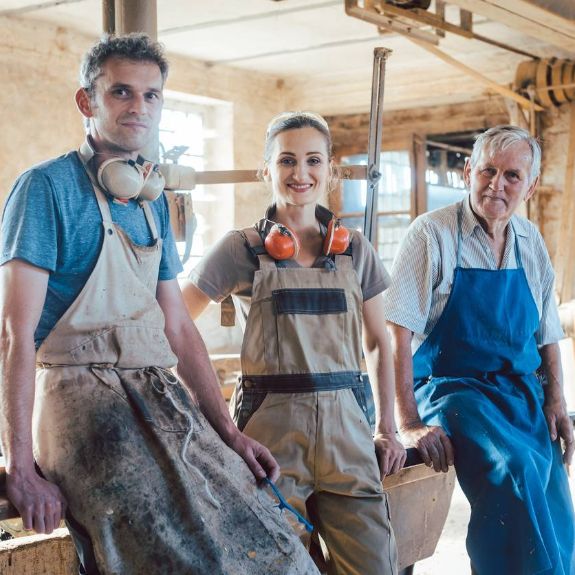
(372, 274)
(226, 268)
(29, 223)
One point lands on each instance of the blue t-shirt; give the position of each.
(52, 221)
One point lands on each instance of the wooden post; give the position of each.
(108, 16)
(124, 17)
(566, 246)
(136, 16)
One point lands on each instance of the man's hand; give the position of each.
(390, 453)
(257, 457)
(432, 444)
(39, 502)
(559, 424)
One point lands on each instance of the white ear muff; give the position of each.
(154, 182)
(123, 179)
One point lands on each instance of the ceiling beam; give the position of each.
(247, 18)
(36, 6)
(527, 18)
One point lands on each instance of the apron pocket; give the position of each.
(159, 399)
(364, 397)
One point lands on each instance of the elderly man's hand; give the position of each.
(560, 425)
(431, 442)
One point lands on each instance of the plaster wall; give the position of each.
(39, 66)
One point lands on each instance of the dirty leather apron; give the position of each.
(300, 394)
(143, 472)
(475, 377)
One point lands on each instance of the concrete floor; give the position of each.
(450, 557)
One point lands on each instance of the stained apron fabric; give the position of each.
(143, 472)
(302, 395)
(475, 377)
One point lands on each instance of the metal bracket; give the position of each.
(380, 56)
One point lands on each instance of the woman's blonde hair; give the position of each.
(294, 121)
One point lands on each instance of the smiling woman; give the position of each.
(307, 291)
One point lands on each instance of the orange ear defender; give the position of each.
(336, 239)
(281, 243)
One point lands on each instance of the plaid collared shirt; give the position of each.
(422, 273)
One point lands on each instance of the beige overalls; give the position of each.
(302, 395)
(142, 470)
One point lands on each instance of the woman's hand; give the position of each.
(390, 453)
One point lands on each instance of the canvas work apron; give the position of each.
(301, 394)
(475, 377)
(143, 472)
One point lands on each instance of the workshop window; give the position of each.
(394, 210)
(444, 174)
(197, 132)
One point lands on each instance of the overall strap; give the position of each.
(255, 245)
(102, 198)
(516, 247)
(459, 224)
(145, 205)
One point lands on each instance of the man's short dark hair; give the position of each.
(137, 47)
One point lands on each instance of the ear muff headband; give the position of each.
(126, 179)
(336, 239)
(282, 243)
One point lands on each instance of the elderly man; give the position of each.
(154, 482)
(472, 299)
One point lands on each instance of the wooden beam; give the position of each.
(407, 22)
(527, 18)
(566, 242)
(424, 18)
(503, 90)
(381, 20)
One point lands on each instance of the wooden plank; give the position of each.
(186, 178)
(566, 243)
(527, 18)
(52, 554)
(7, 510)
(419, 501)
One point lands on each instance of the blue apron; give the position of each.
(475, 377)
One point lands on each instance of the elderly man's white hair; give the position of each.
(499, 138)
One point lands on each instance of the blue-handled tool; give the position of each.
(283, 504)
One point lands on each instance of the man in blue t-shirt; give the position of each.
(90, 302)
